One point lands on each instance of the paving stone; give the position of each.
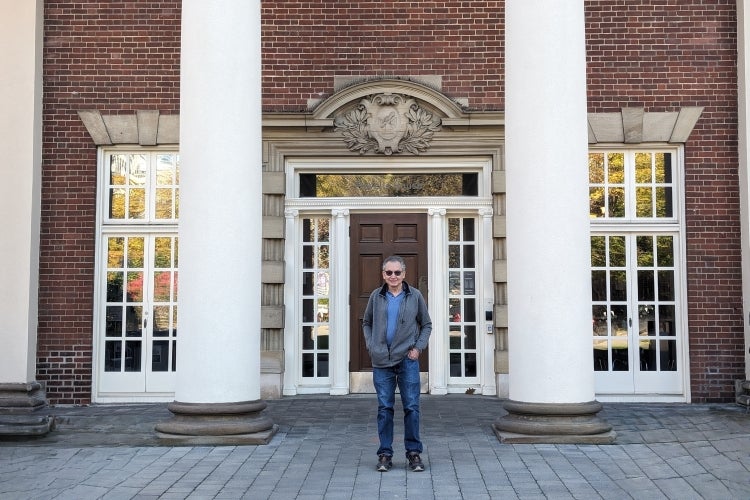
(326, 449)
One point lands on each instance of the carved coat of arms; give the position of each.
(388, 124)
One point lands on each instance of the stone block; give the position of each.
(273, 227)
(272, 317)
(272, 271)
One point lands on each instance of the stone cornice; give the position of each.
(629, 126)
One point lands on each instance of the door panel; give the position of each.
(373, 238)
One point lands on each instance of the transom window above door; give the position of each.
(385, 184)
(142, 187)
(636, 185)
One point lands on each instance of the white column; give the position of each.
(220, 230)
(339, 301)
(549, 290)
(743, 78)
(20, 202)
(438, 307)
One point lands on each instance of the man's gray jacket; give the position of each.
(413, 327)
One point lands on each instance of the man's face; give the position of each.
(396, 274)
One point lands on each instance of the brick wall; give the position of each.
(306, 43)
(112, 56)
(662, 55)
(120, 56)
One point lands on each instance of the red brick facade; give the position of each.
(661, 56)
(110, 56)
(120, 56)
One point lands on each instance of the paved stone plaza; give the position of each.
(325, 449)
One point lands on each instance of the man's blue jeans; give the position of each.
(405, 375)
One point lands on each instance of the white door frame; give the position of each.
(339, 209)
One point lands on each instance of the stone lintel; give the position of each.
(94, 123)
(123, 129)
(635, 126)
(686, 120)
(148, 126)
(145, 127)
(556, 423)
(169, 129)
(632, 124)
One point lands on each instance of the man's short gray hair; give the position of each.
(395, 258)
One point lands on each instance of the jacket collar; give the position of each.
(404, 287)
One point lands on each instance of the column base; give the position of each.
(742, 392)
(554, 423)
(216, 424)
(20, 407)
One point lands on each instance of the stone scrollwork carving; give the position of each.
(388, 124)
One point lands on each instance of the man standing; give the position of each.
(397, 327)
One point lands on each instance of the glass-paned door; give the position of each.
(462, 301)
(635, 317)
(316, 278)
(138, 329)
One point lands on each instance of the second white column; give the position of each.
(218, 362)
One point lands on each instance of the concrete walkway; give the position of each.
(325, 449)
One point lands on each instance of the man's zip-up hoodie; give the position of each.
(408, 334)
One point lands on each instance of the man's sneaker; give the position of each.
(384, 463)
(415, 463)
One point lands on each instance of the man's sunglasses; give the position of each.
(388, 273)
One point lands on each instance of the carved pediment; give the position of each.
(387, 124)
(388, 116)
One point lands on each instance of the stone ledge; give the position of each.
(511, 438)
(25, 425)
(742, 392)
(256, 438)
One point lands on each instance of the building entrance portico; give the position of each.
(333, 264)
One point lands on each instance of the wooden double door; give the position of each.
(374, 237)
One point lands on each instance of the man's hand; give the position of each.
(413, 353)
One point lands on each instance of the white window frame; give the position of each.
(106, 227)
(632, 225)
